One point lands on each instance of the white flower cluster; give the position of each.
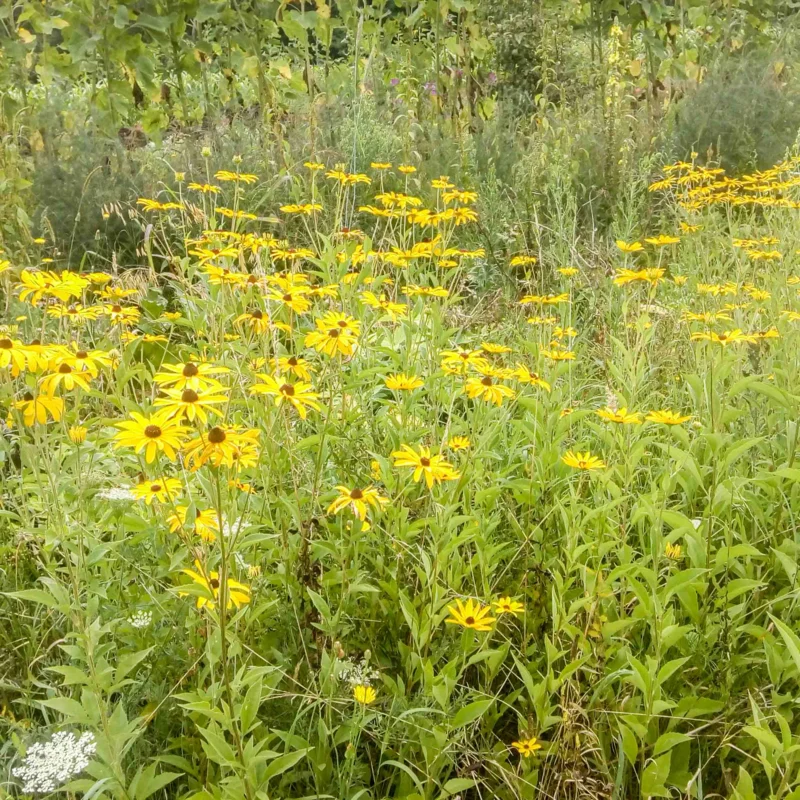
(141, 619)
(357, 673)
(116, 493)
(50, 764)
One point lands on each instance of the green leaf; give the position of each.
(470, 713)
(654, 777)
(667, 741)
(250, 705)
(282, 763)
(790, 638)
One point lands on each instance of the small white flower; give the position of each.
(48, 765)
(697, 523)
(357, 673)
(141, 619)
(116, 493)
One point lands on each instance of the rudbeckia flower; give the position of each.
(161, 490)
(470, 615)
(300, 394)
(358, 500)
(238, 593)
(364, 694)
(153, 434)
(526, 747)
(582, 461)
(435, 468)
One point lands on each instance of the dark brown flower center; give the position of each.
(190, 370)
(426, 462)
(155, 487)
(341, 323)
(287, 389)
(216, 436)
(27, 397)
(257, 315)
(6, 344)
(213, 583)
(487, 381)
(116, 309)
(65, 369)
(470, 620)
(287, 298)
(356, 494)
(292, 362)
(152, 431)
(189, 396)
(81, 354)
(334, 333)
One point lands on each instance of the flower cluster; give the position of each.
(50, 764)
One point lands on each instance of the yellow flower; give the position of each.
(36, 409)
(490, 347)
(314, 166)
(568, 272)
(679, 280)
(295, 365)
(259, 322)
(558, 355)
(122, 315)
(583, 461)
(403, 383)
(527, 747)
(151, 434)
(188, 403)
(161, 490)
(435, 468)
(489, 391)
(299, 395)
(728, 337)
(666, 417)
(225, 175)
(394, 310)
(630, 247)
(470, 615)
(364, 694)
(460, 360)
(206, 522)
(14, 354)
(621, 417)
(295, 300)
(380, 165)
(662, 240)
(336, 334)
(238, 593)
(228, 446)
(66, 377)
(77, 434)
(673, 551)
(301, 208)
(190, 375)
(544, 300)
(459, 443)
(522, 261)
(406, 169)
(525, 375)
(505, 605)
(358, 500)
(205, 188)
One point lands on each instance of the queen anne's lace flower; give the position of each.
(50, 764)
(117, 493)
(141, 619)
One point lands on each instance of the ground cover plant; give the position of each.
(380, 420)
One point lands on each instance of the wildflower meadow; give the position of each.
(358, 442)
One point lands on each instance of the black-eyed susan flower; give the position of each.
(195, 375)
(435, 469)
(13, 354)
(223, 445)
(662, 240)
(621, 416)
(122, 315)
(460, 360)
(77, 434)
(296, 366)
(525, 375)
(630, 247)
(736, 336)
(457, 443)
(153, 434)
(505, 605)
(488, 389)
(238, 593)
(258, 321)
(393, 310)
(163, 490)
(205, 523)
(583, 461)
(37, 409)
(667, 417)
(358, 500)
(65, 377)
(558, 355)
(527, 747)
(495, 349)
(190, 404)
(400, 382)
(470, 614)
(300, 395)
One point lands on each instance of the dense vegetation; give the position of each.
(399, 399)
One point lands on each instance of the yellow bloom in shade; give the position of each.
(37, 409)
(77, 434)
(401, 382)
(630, 247)
(620, 417)
(470, 615)
(584, 461)
(358, 500)
(435, 468)
(459, 443)
(666, 417)
(364, 694)
(188, 403)
(527, 747)
(299, 395)
(673, 552)
(505, 605)
(568, 272)
(460, 360)
(679, 280)
(206, 522)
(161, 490)
(238, 593)
(151, 434)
